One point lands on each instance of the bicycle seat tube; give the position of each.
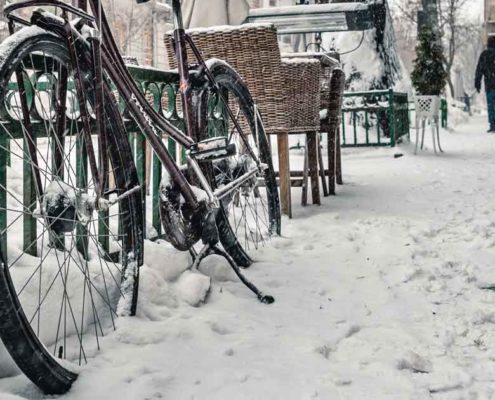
(183, 66)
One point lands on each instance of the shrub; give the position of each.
(429, 76)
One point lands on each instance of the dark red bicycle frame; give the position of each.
(151, 123)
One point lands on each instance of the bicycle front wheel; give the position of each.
(250, 214)
(68, 267)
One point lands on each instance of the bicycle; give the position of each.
(59, 115)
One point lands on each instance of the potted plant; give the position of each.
(429, 76)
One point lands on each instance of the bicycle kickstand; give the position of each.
(208, 250)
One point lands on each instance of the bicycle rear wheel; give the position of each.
(68, 269)
(250, 215)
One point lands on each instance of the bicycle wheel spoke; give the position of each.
(92, 284)
(105, 285)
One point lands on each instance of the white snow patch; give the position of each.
(193, 288)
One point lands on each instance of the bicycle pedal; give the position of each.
(213, 149)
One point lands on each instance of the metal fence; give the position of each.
(374, 118)
(160, 88)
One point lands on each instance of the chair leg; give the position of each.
(417, 138)
(438, 138)
(284, 171)
(423, 125)
(331, 160)
(338, 160)
(433, 137)
(311, 148)
(321, 167)
(305, 178)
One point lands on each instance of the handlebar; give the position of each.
(54, 3)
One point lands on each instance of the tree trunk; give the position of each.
(451, 85)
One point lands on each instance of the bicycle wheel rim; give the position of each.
(251, 216)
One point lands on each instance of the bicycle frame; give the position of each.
(107, 58)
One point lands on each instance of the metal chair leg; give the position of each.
(438, 138)
(433, 137)
(423, 123)
(321, 167)
(417, 137)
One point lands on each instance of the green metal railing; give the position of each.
(160, 88)
(374, 118)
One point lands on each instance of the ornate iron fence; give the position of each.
(160, 87)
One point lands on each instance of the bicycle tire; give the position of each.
(235, 89)
(51, 374)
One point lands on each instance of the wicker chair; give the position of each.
(332, 81)
(302, 79)
(287, 92)
(252, 50)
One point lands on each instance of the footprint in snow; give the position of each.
(156, 395)
(353, 329)
(351, 236)
(324, 350)
(282, 243)
(343, 381)
(139, 374)
(219, 329)
(414, 362)
(273, 284)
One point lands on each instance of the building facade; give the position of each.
(490, 16)
(139, 29)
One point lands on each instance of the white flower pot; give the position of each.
(427, 107)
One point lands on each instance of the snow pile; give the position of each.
(362, 65)
(361, 62)
(193, 288)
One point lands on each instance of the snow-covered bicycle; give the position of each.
(63, 286)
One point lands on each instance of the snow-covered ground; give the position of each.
(383, 292)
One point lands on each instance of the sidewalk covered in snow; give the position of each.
(384, 292)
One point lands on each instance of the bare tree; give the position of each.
(128, 21)
(453, 27)
(405, 32)
(471, 47)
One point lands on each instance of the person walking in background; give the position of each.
(486, 69)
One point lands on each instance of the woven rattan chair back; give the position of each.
(252, 49)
